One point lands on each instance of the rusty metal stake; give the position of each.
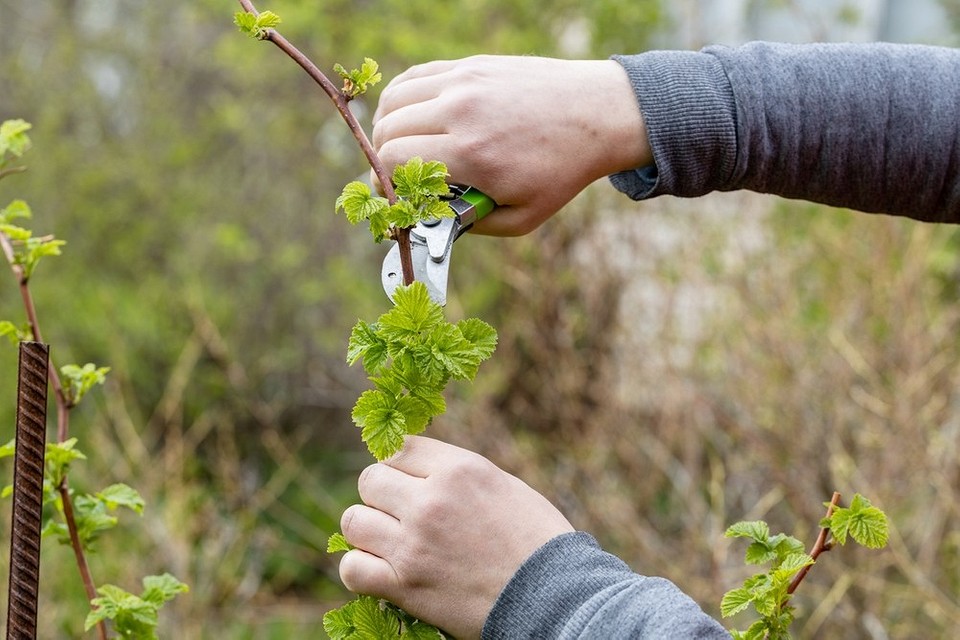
(27, 491)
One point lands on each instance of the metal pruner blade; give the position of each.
(431, 243)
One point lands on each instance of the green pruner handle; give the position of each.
(482, 203)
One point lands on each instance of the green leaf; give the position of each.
(481, 335)
(759, 553)
(362, 619)
(13, 138)
(16, 209)
(256, 26)
(79, 380)
(419, 630)
(7, 491)
(403, 214)
(414, 314)
(416, 415)
(382, 423)
(735, 601)
(757, 530)
(358, 203)
(162, 588)
(14, 333)
(358, 81)
(9, 449)
(338, 623)
(417, 180)
(121, 495)
(337, 543)
(866, 524)
(58, 457)
(132, 616)
(365, 343)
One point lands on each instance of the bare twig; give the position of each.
(341, 102)
(819, 546)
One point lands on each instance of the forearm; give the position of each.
(870, 127)
(570, 588)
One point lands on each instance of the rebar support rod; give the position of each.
(27, 491)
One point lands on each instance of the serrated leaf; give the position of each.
(735, 601)
(337, 543)
(456, 354)
(790, 566)
(416, 416)
(759, 553)
(403, 214)
(382, 424)
(358, 202)
(415, 180)
(162, 588)
(338, 623)
(366, 344)
(373, 620)
(481, 335)
(419, 630)
(13, 138)
(121, 495)
(413, 315)
(79, 380)
(256, 26)
(758, 530)
(866, 524)
(358, 81)
(14, 210)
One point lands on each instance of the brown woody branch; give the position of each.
(341, 101)
(822, 544)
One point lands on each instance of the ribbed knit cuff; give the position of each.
(691, 121)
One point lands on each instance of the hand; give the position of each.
(441, 533)
(529, 132)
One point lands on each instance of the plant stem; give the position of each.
(819, 546)
(63, 423)
(342, 102)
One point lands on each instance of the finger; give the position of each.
(370, 529)
(400, 150)
(365, 573)
(414, 91)
(412, 120)
(386, 488)
(422, 457)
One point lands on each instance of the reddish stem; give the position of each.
(819, 546)
(342, 102)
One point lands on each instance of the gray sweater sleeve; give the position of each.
(873, 127)
(570, 588)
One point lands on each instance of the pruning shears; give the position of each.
(431, 242)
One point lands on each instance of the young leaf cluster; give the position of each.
(419, 185)
(368, 617)
(766, 591)
(93, 513)
(256, 25)
(862, 521)
(357, 81)
(769, 592)
(28, 250)
(14, 141)
(134, 616)
(78, 380)
(410, 354)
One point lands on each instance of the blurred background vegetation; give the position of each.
(665, 369)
